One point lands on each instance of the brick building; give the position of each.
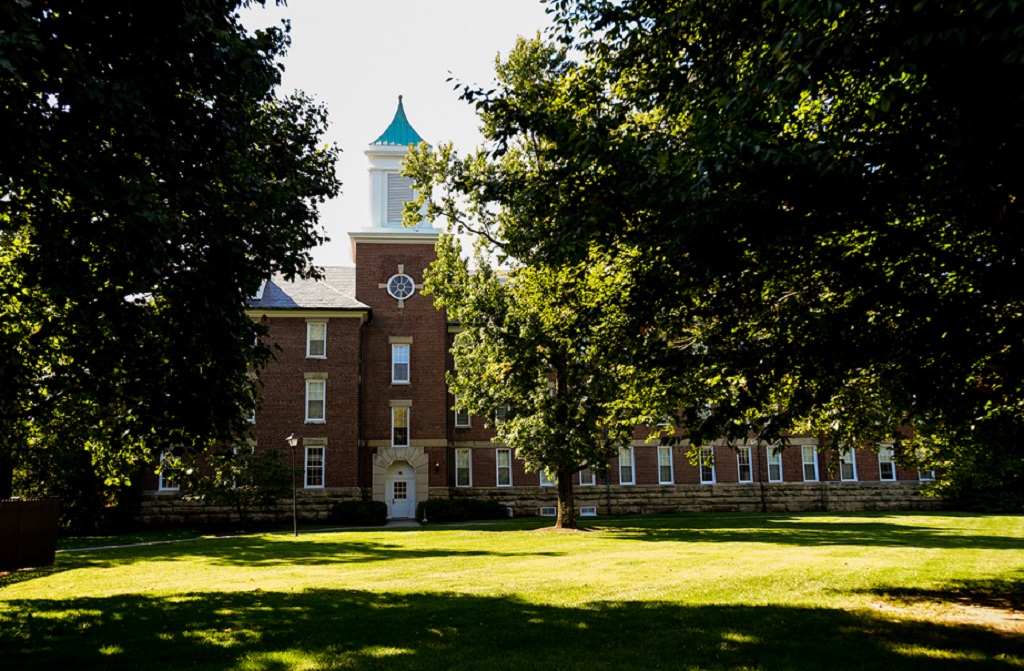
(360, 379)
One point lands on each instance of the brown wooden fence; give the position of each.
(28, 532)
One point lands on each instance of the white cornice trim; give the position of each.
(307, 313)
(396, 236)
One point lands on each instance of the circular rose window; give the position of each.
(401, 287)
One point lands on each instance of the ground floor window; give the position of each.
(463, 467)
(707, 465)
(774, 464)
(810, 461)
(314, 467)
(744, 472)
(504, 465)
(168, 476)
(847, 464)
(886, 468)
(587, 476)
(626, 466)
(547, 479)
(665, 466)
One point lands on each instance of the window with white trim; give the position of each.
(847, 464)
(547, 479)
(810, 462)
(626, 468)
(316, 340)
(400, 427)
(400, 364)
(707, 465)
(744, 471)
(167, 478)
(500, 413)
(461, 416)
(587, 477)
(463, 467)
(314, 478)
(886, 467)
(503, 464)
(665, 471)
(774, 464)
(315, 401)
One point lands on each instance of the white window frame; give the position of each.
(468, 454)
(844, 451)
(811, 450)
(498, 454)
(743, 459)
(310, 340)
(706, 465)
(462, 417)
(395, 413)
(401, 355)
(885, 456)
(310, 385)
(776, 451)
(307, 468)
(671, 480)
(587, 477)
(627, 458)
(166, 483)
(548, 479)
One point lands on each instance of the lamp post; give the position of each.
(293, 441)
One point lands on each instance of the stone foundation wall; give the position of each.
(169, 509)
(778, 497)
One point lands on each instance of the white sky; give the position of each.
(358, 56)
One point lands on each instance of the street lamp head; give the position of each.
(293, 440)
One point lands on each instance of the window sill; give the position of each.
(316, 421)
(395, 383)
(316, 356)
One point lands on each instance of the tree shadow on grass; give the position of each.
(339, 629)
(1001, 594)
(804, 531)
(259, 551)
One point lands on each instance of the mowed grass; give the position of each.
(862, 591)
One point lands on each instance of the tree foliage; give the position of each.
(150, 178)
(818, 204)
(243, 479)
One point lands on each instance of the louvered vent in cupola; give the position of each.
(399, 193)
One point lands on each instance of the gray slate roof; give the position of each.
(336, 291)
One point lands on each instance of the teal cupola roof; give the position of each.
(399, 133)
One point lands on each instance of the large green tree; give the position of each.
(820, 204)
(151, 176)
(523, 358)
(531, 338)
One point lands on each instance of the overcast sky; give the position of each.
(358, 57)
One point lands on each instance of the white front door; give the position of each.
(400, 490)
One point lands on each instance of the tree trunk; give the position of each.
(566, 500)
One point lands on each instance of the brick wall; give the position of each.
(283, 399)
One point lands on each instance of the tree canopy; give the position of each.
(151, 178)
(818, 205)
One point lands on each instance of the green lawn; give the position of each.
(864, 591)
